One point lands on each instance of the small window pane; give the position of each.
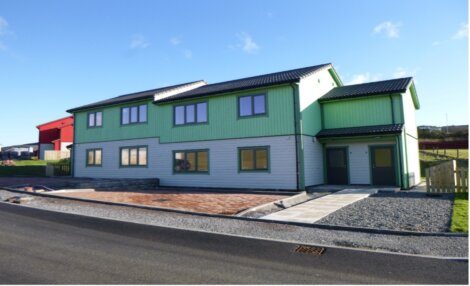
(190, 114)
(91, 119)
(383, 157)
(125, 115)
(191, 161)
(179, 161)
(245, 106)
(125, 157)
(260, 106)
(202, 112)
(143, 113)
(133, 114)
(179, 115)
(99, 118)
(90, 157)
(261, 159)
(202, 162)
(133, 156)
(247, 159)
(142, 156)
(98, 157)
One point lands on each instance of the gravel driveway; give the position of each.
(410, 211)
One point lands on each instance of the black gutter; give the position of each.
(294, 94)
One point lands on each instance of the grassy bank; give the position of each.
(460, 213)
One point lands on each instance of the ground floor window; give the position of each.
(253, 158)
(93, 157)
(191, 161)
(135, 156)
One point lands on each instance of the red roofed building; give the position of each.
(55, 135)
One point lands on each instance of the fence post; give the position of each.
(49, 170)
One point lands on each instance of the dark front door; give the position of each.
(337, 166)
(383, 166)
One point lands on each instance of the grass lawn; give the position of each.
(438, 155)
(460, 213)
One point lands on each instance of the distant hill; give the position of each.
(451, 132)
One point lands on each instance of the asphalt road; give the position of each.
(45, 247)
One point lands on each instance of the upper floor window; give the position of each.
(252, 105)
(93, 157)
(134, 114)
(95, 119)
(190, 113)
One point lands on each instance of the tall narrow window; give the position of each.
(125, 115)
(93, 157)
(251, 105)
(143, 113)
(134, 114)
(134, 156)
(201, 112)
(253, 158)
(190, 113)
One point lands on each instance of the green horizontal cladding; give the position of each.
(112, 128)
(366, 111)
(224, 122)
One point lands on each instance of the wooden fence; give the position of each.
(58, 169)
(53, 155)
(447, 178)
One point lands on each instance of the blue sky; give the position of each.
(56, 55)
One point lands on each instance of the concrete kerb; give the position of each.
(320, 226)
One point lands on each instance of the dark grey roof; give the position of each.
(129, 97)
(361, 131)
(371, 88)
(246, 83)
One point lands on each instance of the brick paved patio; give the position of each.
(197, 201)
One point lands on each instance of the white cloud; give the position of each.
(462, 32)
(436, 43)
(175, 41)
(363, 77)
(359, 78)
(247, 44)
(390, 29)
(139, 42)
(404, 72)
(188, 54)
(2, 47)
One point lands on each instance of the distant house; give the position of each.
(23, 151)
(55, 135)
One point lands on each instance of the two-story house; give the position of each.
(285, 130)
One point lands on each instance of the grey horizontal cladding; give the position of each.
(142, 95)
(246, 83)
(361, 131)
(367, 89)
(223, 163)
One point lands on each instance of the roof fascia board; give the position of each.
(253, 89)
(161, 95)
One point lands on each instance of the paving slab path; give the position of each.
(314, 210)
